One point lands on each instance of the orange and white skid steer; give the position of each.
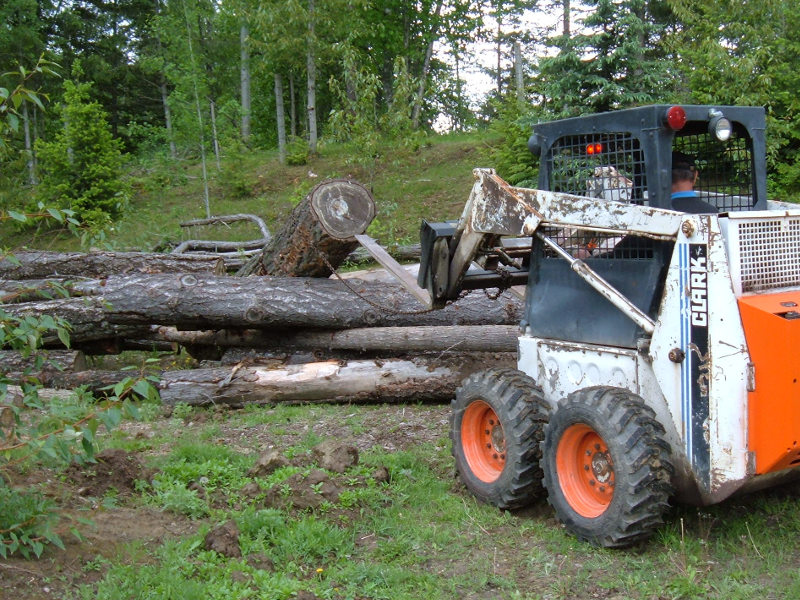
(658, 353)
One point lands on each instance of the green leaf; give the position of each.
(17, 216)
(56, 214)
(142, 387)
(132, 411)
(88, 447)
(63, 336)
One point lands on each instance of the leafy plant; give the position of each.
(57, 431)
(11, 100)
(80, 168)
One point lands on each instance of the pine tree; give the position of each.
(616, 62)
(81, 167)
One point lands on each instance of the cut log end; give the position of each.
(344, 208)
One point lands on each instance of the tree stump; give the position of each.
(318, 233)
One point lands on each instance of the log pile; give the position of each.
(367, 341)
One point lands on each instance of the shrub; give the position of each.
(80, 168)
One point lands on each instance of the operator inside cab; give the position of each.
(684, 177)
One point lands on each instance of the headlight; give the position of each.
(719, 126)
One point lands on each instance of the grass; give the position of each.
(432, 182)
(422, 536)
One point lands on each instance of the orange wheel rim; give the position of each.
(483, 441)
(585, 471)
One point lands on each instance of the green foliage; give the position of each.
(745, 54)
(56, 431)
(510, 156)
(615, 63)
(297, 152)
(12, 99)
(361, 122)
(81, 168)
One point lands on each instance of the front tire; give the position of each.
(606, 466)
(497, 424)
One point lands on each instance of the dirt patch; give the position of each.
(224, 539)
(115, 470)
(57, 571)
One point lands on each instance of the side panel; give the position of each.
(772, 327)
(700, 360)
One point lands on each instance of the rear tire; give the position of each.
(497, 424)
(606, 466)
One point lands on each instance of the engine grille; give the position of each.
(765, 252)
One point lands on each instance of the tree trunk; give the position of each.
(26, 127)
(213, 108)
(244, 57)
(311, 69)
(127, 306)
(292, 107)
(173, 150)
(60, 266)
(426, 65)
(320, 229)
(280, 118)
(499, 52)
(566, 19)
(518, 73)
(29, 290)
(466, 338)
(357, 381)
(40, 264)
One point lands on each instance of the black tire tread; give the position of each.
(642, 503)
(523, 412)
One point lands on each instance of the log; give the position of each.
(129, 305)
(48, 265)
(356, 381)
(41, 264)
(464, 338)
(27, 290)
(409, 253)
(318, 233)
(13, 364)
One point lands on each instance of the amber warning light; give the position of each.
(594, 148)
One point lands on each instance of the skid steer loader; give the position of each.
(657, 356)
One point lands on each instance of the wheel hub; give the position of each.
(483, 441)
(498, 438)
(585, 470)
(601, 467)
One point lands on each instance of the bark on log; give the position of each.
(93, 380)
(27, 290)
(13, 364)
(358, 381)
(41, 264)
(320, 229)
(129, 305)
(466, 338)
(49, 265)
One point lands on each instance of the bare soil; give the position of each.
(78, 489)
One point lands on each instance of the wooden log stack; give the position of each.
(361, 342)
